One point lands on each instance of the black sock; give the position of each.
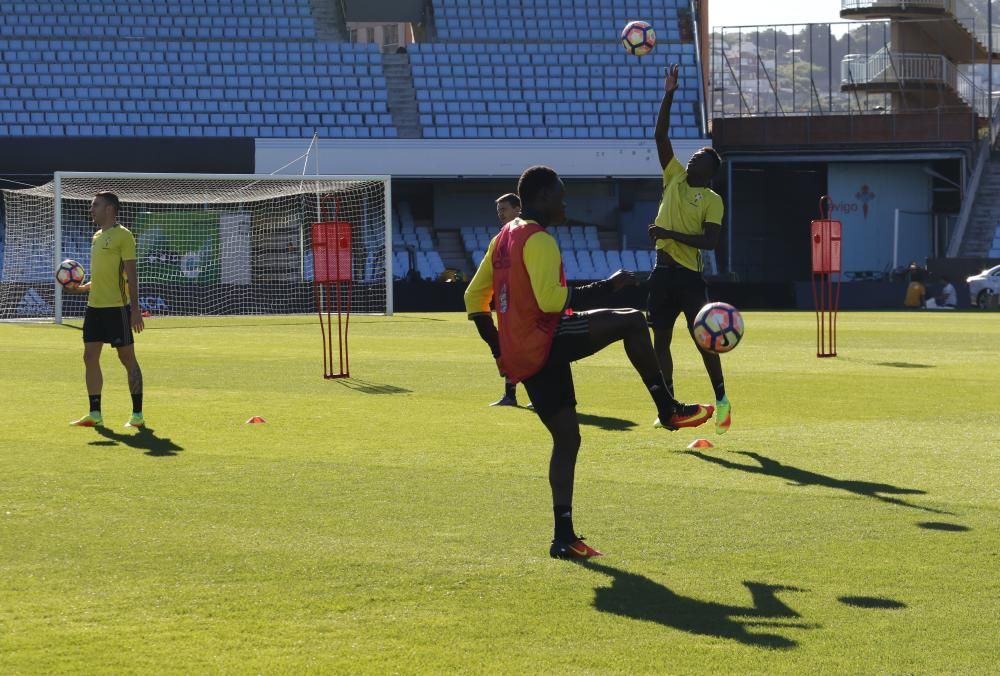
(661, 397)
(720, 390)
(137, 403)
(510, 390)
(564, 523)
(95, 402)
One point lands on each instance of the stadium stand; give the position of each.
(229, 68)
(565, 77)
(583, 256)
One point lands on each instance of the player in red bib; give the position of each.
(539, 336)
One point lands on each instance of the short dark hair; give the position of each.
(110, 198)
(511, 199)
(534, 180)
(714, 154)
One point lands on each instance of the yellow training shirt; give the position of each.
(543, 263)
(109, 249)
(685, 209)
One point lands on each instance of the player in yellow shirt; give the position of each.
(689, 221)
(508, 208)
(112, 308)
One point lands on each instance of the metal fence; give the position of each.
(827, 69)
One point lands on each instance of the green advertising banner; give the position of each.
(178, 246)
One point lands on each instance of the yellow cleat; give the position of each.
(89, 420)
(136, 421)
(723, 419)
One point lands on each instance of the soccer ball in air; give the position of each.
(70, 274)
(718, 327)
(638, 37)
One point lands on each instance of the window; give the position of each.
(354, 35)
(371, 34)
(390, 34)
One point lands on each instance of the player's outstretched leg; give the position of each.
(629, 326)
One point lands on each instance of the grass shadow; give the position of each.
(937, 525)
(640, 598)
(369, 388)
(802, 477)
(605, 422)
(144, 439)
(871, 602)
(905, 365)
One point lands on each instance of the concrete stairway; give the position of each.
(330, 24)
(402, 95)
(449, 246)
(985, 213)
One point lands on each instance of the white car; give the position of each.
(985, 284)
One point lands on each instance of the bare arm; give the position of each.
(131, 272)
(664, 148)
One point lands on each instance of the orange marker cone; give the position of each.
(701, 443)
(254, 420)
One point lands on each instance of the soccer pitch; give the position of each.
(393, 523)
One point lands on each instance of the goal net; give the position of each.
(206, 244)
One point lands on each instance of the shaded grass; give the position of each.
(394, 522)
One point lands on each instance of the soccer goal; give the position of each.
(206, 244)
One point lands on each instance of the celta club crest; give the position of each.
(866, 196)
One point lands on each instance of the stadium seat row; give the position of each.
(115, 32)
(39, 18)
(149, 9)
(230, 94)
(548, 50)
(253, 119)
(549, 120)
(476, 64)
(631, 132)
(52, 48)
(135, 66)
(174, 105)
(194, 130)
(187, 82)
(489, 93)
(559, 107)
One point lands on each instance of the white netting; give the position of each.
(209, 245)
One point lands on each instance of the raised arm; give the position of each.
(663, 146)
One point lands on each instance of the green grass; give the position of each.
(395, 523)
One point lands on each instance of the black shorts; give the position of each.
(551, 389)
(673, 290)
(108, 325)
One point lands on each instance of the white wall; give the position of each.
(474, 158)
(884, 187)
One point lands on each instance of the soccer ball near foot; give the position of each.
(718, 327)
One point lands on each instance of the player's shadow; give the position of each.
(905, 365)
(369, 388)
(640, 598)
(802, 477)
(871, 602)
(144, 439)
(605, 422)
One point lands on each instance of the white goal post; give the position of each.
(207, 244)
